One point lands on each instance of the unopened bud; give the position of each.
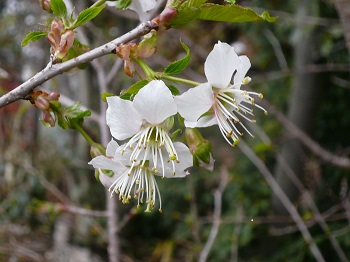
(42, 103)
(54, 35)
(66, 42)
(46, 5)
(147, 47)
(47, 118)
(200, 148)
(53, 96)
(97, 150)
(162, 20)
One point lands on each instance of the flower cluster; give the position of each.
(146, 122)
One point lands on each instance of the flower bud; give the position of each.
(47, 118)
(54, 35)
(66, 42)
(200, 148)
(147, 47)
(97, 150)
(162, 20)
(46, 5)
(42, 103)
(53, 96)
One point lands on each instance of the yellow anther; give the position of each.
(261, 96)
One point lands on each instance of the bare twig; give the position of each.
(84, 212)
(277, 48)
(22, 91)
(236, 232)
(216, 215)
(307, 196)
(283, 198)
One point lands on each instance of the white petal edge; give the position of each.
(220, 65)
(195, 102)
(122, 119)
(242, 69)
(141, 7)
(106, 163)
(204, 121)
(111, 148)
(155, 103)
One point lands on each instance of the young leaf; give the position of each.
(73, 112)
(174, 91)
(179, 65)
(33, 36)
(122, 4)
(59, 8)
(87, 15)
(133, 90)
(232, 13)
(184, 16)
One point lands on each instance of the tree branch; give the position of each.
(283, 198)
(50, 71)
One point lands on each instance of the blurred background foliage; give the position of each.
(299, 63)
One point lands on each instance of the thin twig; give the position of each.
(22, 91)
(216, 215)
(295, 131)
(307, 196)
(283, 198)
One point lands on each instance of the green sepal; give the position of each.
(68, 117)
(59, 8)
(104, 96)
(174, 91)
(133, 90)
(179, 65)
(122, 4)
(87, 15)
(33, 36)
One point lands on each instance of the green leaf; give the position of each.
(87, 15)
(232, 2)
(179, 65)
(232, 13)
(122, 4)
(184, 16)
(33, 36)
(173, 90)
(133, 90)
(59, 8)
(70, 114)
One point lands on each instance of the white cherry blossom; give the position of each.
(218, 102)
(150, 151)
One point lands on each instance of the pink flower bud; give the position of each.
(42, 103)
(47, 117)
(66, 42)
(54, 96)
(46, 5)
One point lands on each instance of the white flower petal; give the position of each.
(111, 148)
(155, 103)
(242, 69)
(195, 102)
(185, 161)
(105, 180)
(106, 163)
(204, 121)
(122, 118)
(141, 7)
(220, 65)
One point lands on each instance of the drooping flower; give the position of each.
(218, 102)
(150, 151)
